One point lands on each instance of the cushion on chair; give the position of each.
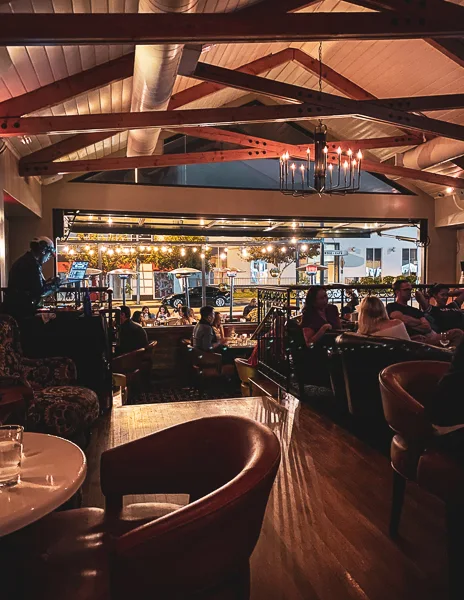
(63, 410)
(66, 555)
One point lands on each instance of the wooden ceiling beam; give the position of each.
(166, 28)
(452, 48)
(64, 147)
(293, 93)
(299, 150)
(69, 87)
(256, 67)
(143, 162)
(171, 119)
(424, 103)
(333, 78)
(169, 160)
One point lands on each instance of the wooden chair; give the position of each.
(406, 388)
(127, 372)
(200, 551)
(245, 372)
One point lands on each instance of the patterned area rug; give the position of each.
(161, 392)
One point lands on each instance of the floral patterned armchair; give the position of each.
(47, 387)
(37, 372)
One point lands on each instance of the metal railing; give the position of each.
(287, 302)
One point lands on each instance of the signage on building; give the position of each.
(311, 268)
(334, 252)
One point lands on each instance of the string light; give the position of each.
(155, 249)
(87, 248)
(132, 250)
(194, 249)
(72, 252)
(66, 249)
(164, 249)
(449, 190)
(263, 250)
(270, 248)
(202, 222)
(118, 250)
(294, 240)
(170, 250)
(110, 221)
(91, 252)
(202, 255)
(304, 247)
(283, 249)
(103, 248)
(182, 251)
(244, 252)
(223, 255)
(110, 252)
(141, 248)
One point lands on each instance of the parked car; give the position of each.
(215, 296)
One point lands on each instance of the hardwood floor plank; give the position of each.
(324, 535)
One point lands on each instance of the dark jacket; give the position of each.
(132, 337)
(26, 285)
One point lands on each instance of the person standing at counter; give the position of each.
(27, 285)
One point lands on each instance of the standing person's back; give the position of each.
(132, 335)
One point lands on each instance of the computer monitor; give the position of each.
(78, 270)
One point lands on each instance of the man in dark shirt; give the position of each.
(445, 315)
(413, 318)
(249, 307)
(132, 336)
(204, 337)
(26, 283)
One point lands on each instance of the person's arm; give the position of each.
(459, 298)
(422, 300)
(338, 324)
(421, 325)
(311, 337)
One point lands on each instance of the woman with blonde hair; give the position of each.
(373, 320)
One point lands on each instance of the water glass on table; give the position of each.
(11, 449)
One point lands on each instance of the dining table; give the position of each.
(52, 471)
(239, 347)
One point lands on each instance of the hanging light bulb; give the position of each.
(91, 252)
(87, 248)
(72, 252)
(283, 249)
(182, 251)
(263, 250)
(223, 256)
(110, 252)
(164, 249)
(304, 247)
(202, 222)
(118, 250)
(110, 221)
(294, 240)
(141, 248)
(202, 255)
(194, 249)
(66, 249)
(170, 250)
(244, 252)
(155, 248)
(103, 248)
(269, 248)
(132, 250)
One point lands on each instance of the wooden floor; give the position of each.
(324, 535)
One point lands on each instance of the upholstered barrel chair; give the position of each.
(55, 404)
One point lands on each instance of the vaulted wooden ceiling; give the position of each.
(353, 68)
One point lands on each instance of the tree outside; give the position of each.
(278, 252)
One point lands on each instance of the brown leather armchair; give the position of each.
(200, 551)
(406, 389)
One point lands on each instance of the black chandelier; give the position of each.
(334, 173)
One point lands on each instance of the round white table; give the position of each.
(52, 471)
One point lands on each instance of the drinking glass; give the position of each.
(11, 449)
(444, 339)
(244, 339)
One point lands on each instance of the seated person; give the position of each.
(204, 337)
(417, 326)
(446, 408)
(249, 307)
(350, 305)
(445, 316)
(186, 315)
(318, 315)
(373, 320)
(217, 326)
(146, 314)
(132, 336)
(137, 317)
(163, 313)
